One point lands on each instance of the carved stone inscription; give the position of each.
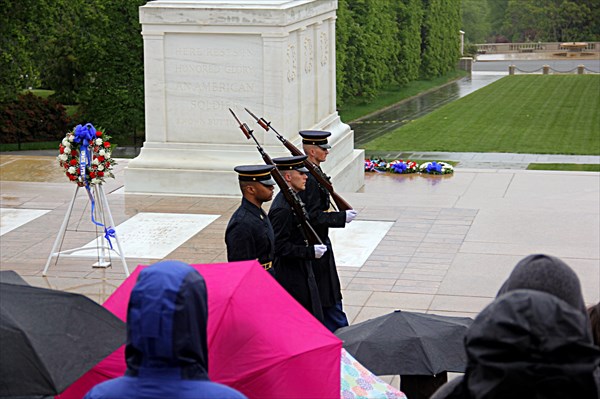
(205, 75)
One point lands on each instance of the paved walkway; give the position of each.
(449, 241)
(452, 240)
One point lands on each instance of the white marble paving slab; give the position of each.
(11, 218)
(153, 235)
(354, 243)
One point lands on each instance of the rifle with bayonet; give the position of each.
(310, 235)
(314, 170)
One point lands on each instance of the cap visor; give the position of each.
(302, 169)
(325, 146)
(269, 182)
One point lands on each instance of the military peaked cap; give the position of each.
(315, 137)
(258, 173)
(291, 163)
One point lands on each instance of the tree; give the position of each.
(409, 16)
(366, 71)
(113, 93)
(576, 22)
(521, 20)
(550, 20)
(20, 21)
(476, 24)
(440, 42)
(76, 32)
(496, 16)
(341, 44)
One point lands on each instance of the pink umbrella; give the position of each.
(261, 341)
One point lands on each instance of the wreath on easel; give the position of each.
(85, 155)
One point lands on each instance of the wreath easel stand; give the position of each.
(101, 242)
(85, 155)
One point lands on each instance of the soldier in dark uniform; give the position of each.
(249, 234)
(317, 202)
(293, 255)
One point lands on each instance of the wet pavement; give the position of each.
(449, 241)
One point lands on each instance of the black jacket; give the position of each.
(293, 257)
(249, 235)
(316, 200)
(528, 344)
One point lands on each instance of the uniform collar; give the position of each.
(253, 209)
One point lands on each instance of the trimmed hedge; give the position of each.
(381, 42)
(30, 118)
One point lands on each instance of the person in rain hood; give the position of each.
(533, 341)
(594, 313)
(166, 351)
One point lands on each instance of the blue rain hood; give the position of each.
(166, 322)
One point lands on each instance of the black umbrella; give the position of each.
(408, 343)
(49, 338)
(10, 276)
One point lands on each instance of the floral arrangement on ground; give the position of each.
(436, 168)
(408, 166)
(85, 155)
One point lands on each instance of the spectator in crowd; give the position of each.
(533, 341)
(594, 313)
(167, 350)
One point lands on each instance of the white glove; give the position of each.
(320, 249)
(350, 215)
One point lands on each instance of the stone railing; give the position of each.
(548, 70)
(504, 48)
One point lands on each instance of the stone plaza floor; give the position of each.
(434, 244)
(437, 244)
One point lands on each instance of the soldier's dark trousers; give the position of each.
(334, 317)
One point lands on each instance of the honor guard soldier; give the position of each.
(249, 234)
(293, 254)
(317, 201)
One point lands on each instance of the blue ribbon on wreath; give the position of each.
(84, 136)
(399, 167)
(434, 167)
(109, 232)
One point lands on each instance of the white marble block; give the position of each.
(202, 57)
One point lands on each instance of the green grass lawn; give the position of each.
(391, 95)
(40, 145)
(70, 109)
(40, 92)
(565, 166)
(539, 114)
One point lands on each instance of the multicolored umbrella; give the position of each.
(358, 382)
(261, 341)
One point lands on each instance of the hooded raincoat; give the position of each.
(533, 342)
(167, 351)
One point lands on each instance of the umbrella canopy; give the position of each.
(260, 340)
(49, 339)
(10, 276)
(358, 382)
(408, 343)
